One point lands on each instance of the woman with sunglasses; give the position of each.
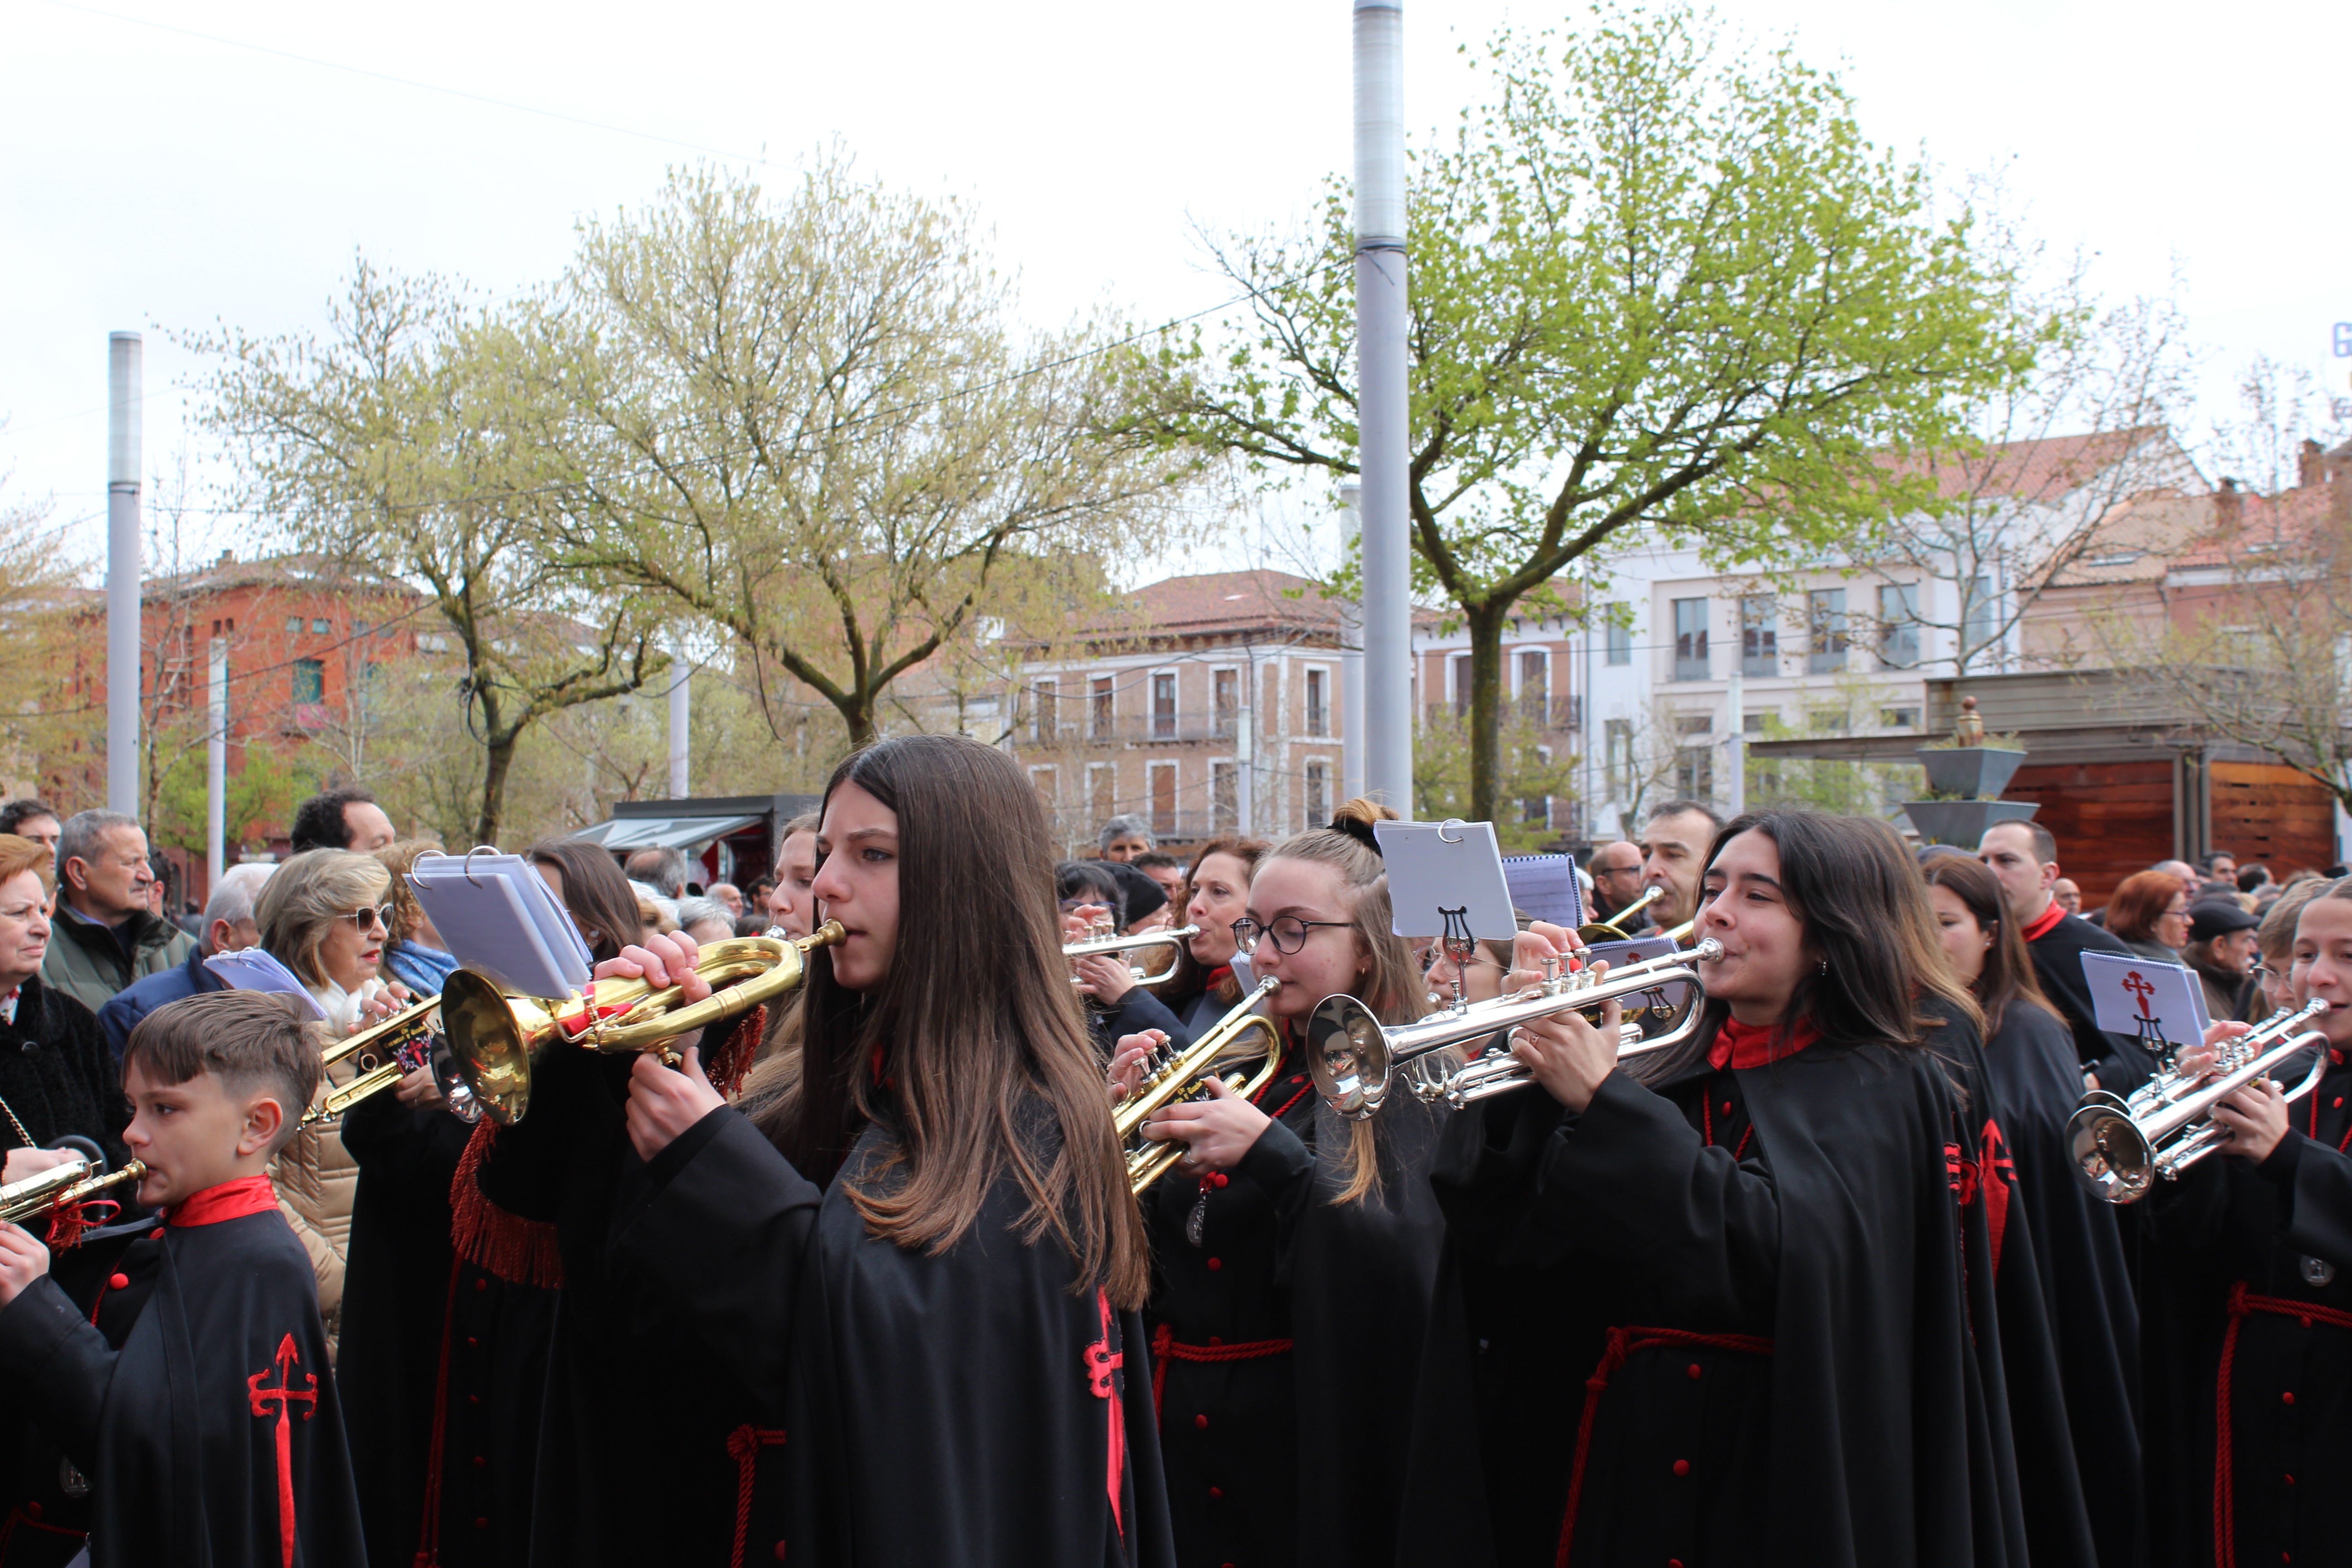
(325, 915)
(1292, 1250)
(1738, 1330)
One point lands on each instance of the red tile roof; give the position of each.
(2030, 471)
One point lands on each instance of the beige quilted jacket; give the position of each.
(316, 1180)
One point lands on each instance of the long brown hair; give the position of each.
(595, 894)
(2140, 901)
(975, 1030)
(1868, 928)
(1190, 970)
(2008, 972)
(1391, 986)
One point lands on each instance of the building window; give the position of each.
(1226, 699)
(1619, 640)
(1690, 640)
(1754, 724)
(1102, 792)
(1224, 797)
(1535, 685)
(1983, 618)
(310, 680)
(1899, 718)
(1162, 781)
(319, 626)
(1695, 761)
(1826, 721)
(1759, 635)
(1318, 721)
(1458, 678)
(1899, 624)
(1318, 794)
(1164, 708)
(1826, 630)
(293, 623)
(1099, 711)
(1535, 810)
(1048, 790)
(1617, 752)
(1042, 716)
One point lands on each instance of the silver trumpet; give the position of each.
(1173, 939)
(1354, 1056)
(2121, 1146)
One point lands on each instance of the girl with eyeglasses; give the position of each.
(1728, 1305)
(1293, 1251)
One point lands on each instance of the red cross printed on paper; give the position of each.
(283, 1398)
(2136, 983)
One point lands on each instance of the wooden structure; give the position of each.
(2120, 787)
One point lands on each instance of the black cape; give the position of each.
(2248, 1303)
(2117, 1061)
(396, 1297)
(199, 1408)
(1285, 1454)
(963, 1407)
(2084, 1282)
(1794, 1373)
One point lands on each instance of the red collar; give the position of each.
(2045, 922)
(230, 1200)
(1738, 1044)
(1217, 976)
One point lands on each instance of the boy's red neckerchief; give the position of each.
(230, 1200)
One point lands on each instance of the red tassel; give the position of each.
(518, 1250)
(731, 1063)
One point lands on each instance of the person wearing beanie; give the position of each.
(2221, 951)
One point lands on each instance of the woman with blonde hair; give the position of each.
(325, 915)
(1293, 1251)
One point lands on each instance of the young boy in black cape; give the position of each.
(186, 1389)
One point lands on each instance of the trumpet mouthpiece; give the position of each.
(1707, 951)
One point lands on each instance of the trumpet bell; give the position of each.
(491, 1037)
(2111, 1155)
(1348, 1055)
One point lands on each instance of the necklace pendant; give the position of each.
(1197, 1221)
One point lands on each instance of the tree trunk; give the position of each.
(1486, 623)
(497, 760)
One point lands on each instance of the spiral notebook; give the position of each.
(251, 969)
(1544, 888)
(496, 915)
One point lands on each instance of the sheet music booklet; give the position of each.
(1441, 868)
(1544, 888)
(251, 969)
(2161, 1005)
(497, 914)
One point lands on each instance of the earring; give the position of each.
(1825, 966)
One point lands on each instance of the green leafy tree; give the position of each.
(1531, 777)
(1657, 288)
(414, 440)
(809, 422)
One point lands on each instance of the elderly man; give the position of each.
(2067, 895)
(1616, 873)
(2024, 859)
(106, 935)
(341, 819)
(730, 895)
(228, 927)
(1674, 844)
(1124, 837)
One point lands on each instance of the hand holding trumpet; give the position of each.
(1565, 1052)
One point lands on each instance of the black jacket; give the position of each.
(56, 1075)
(2119, 1062)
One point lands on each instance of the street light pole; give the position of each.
(1383, 400)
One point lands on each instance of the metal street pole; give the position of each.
(1351, 663)
(216, 769)
(1382, 400)
(680, 724)
(122, 399)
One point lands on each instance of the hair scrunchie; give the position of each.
(1358, 830)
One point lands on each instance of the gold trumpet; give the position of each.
(495, 1039)
(60, 1186)
(387, 1052)
(1137, 943)
(1174, 1076)
(1614, 928)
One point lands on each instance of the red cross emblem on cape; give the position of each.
(1103, 1364)
(283, 1398)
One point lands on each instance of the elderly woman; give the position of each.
(2150, 913)
(326, 916)
(56, 1077)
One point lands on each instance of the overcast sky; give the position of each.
(159, 182)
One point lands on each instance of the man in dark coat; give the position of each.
(106, 935)
(2023, 857)
(228, 927)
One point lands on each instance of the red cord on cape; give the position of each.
(1164, 1349)
(1619, 1349)
(743, 1446)
(727, 1066)
(428, 1529)
(2242, 1305)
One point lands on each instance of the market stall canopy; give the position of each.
(623, 833)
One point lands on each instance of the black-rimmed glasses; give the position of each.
(1288, 931)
